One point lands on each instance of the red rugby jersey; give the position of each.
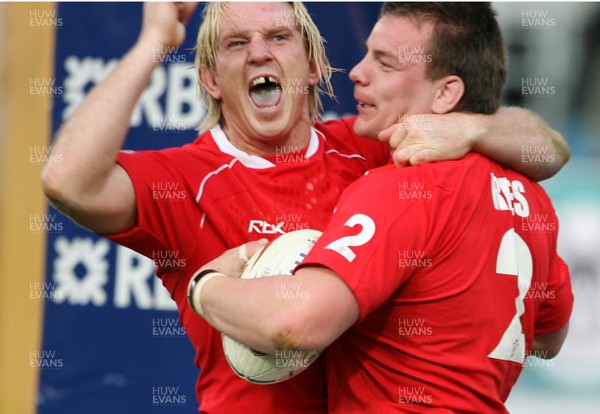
(454, 268)
(196, 201)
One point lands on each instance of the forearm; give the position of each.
(247, 310)
(89, 142)
(307, 311)
(522, 141)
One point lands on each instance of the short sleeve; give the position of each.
(555, 311)
(163, 201)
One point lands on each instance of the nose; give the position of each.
(358, 74)
(258, 50)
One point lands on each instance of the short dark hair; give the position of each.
(466, 42)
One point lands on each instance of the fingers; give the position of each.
(400, 135)
(242, 253)
(235, 260)
(415, 155)
(406, 145)
(164, 23)
(395, 135)
(248, 250)
(412, 154)
(186, 10)
(402, 157)
(386, 134)
(232, 262)
(422, 156)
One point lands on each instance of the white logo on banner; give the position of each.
(90, 287)
(81, 75)
(135, 281)
(176, 82)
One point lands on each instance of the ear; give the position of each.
(210, 82)
(450, 90)
(313, 73)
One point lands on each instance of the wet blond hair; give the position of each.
(206, 59)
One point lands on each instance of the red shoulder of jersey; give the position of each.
(341, 136)
(396, 221)
(165, 184)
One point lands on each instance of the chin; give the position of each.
(365, 130)
(269, 129)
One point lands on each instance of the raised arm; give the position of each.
(88, 185)
(514, 137)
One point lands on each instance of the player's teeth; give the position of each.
(259, 81)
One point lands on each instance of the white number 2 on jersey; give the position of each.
(514, 259)
(342, 245)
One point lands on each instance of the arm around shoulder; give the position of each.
(514, 137)
(521, 140)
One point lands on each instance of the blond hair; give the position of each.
(206, 59)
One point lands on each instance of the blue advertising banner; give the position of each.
(112, 342)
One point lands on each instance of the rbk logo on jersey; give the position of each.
(262, 227)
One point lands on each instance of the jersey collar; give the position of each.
(254, 161)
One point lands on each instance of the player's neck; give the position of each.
(295, 139)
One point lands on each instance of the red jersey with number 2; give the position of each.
(454, 268)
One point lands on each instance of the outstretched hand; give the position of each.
(422, 138)
(164, 23)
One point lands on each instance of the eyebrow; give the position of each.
(380, 53)
(385, 54)
(234, 33)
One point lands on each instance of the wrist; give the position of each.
(197, 282)
(477, 131)
(148, 49)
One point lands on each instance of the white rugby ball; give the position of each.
(279, 257)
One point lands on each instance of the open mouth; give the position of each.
(365, 105)
(265, 91)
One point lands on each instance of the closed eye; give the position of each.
(234, 43)
(387, 60)
(385, 65)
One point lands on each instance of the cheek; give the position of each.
(408, 99)
(393, 106)
(230, 65)
(301, 72)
